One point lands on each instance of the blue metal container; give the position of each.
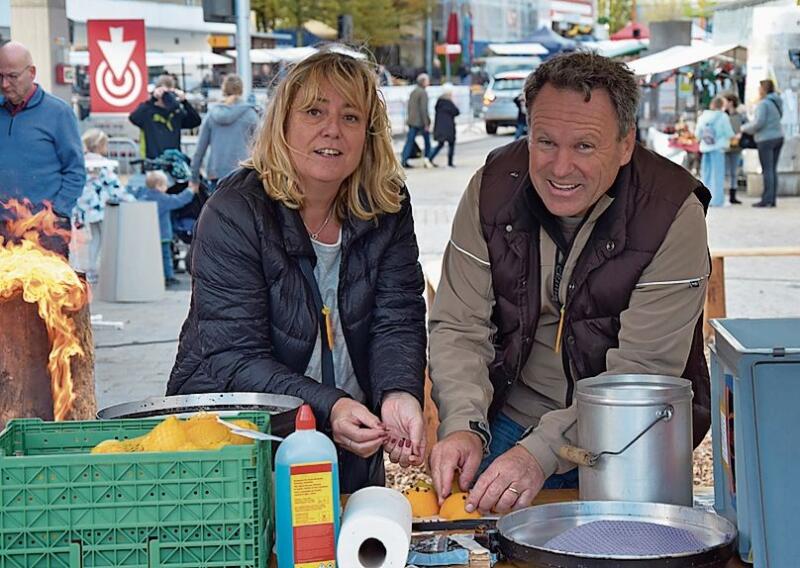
(755, 411)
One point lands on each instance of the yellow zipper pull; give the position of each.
(326, 312)
(560, 331)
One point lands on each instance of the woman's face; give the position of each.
(326, 141)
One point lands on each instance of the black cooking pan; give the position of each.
(281, 408)
(524, 534)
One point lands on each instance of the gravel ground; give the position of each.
(401, 479)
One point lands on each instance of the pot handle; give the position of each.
(577, 455)
(586, 458)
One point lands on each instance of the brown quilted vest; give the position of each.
(648, 193)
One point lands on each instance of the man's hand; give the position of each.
(180, 94)
(510, 483)
(158, 92)
(355, 428)
(402, 416)
(194, 187)
(460, 450)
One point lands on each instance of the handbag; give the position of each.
(747, 141)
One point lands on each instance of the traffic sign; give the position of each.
(117, 65)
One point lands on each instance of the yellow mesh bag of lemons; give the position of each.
(200, 432)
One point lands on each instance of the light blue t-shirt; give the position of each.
(326, 272)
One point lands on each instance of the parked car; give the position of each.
(499, 108)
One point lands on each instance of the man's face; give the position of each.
(575, 150)
(16, 78)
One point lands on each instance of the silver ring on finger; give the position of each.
(513, 490)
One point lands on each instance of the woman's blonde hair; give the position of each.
(378, 172)
(93, 139)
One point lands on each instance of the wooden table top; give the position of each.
(560, 496)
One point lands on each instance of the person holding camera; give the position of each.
(162, 117)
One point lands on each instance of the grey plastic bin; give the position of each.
(131, 269)
(755, 412)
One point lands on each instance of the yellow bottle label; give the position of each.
(311, 487)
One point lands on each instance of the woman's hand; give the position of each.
(402, 416)
(356, 429)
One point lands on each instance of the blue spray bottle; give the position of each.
(307, 496)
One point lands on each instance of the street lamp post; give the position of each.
(243, 67)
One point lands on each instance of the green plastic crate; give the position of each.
(63, 507)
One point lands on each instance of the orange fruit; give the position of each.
(453, 508)
(424, 502)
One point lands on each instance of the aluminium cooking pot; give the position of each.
(281, 408)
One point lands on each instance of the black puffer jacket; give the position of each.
(252, 324)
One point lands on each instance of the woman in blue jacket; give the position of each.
(768, 133)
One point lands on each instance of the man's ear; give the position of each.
(628, 144)
(33, 71)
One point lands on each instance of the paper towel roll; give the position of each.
(375, 530)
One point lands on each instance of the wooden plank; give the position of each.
(715, 295)
(757, 251)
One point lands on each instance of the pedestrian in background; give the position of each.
(444, 125)
(155, 189)
(418, 121)
(228, 130)
(714, 131)
(522, 116)
(733, 155)
(102, 187)
(41, 158)
(162, 117)
(768, 133)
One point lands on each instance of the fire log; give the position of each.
(24, 377)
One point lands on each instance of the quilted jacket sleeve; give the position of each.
(397, 353)
(230, 298)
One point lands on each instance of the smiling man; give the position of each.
(574, 253)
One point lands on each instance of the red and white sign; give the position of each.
(117, 64)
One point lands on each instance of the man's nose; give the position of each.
(562, 165)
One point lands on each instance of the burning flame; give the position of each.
(45, 279)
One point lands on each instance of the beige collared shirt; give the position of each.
(655, 335)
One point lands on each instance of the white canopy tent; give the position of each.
(292, 54)
(161, 59)
(517, 49)
(678, 56)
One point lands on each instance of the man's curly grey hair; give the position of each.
(583, 72)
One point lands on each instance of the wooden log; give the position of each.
(24, 377)
(715, 295)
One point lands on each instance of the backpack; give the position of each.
(709, 134)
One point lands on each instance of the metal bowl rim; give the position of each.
(174, 403)
(572, 509)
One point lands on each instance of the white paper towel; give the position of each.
(375, 530)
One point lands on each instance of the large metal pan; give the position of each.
(282, 408)
(524, 533)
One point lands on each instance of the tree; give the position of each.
(268, 14)
(616, 13)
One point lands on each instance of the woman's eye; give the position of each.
(351, 118)
(313, 112)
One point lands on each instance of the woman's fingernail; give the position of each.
(469, 508)
(408, 443)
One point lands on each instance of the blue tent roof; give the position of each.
(551, 40)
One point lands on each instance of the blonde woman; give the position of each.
(305, 273)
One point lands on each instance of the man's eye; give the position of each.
(585, 147)
(544, 142)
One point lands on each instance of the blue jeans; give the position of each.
(712, 172)
(768, 153)
(505, 434)
(166, 256)
(732, 160)
(413, 131)
(451, 150)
